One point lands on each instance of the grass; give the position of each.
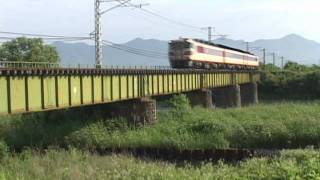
(272, 125)
(78, 165)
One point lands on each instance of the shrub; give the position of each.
(4, 150)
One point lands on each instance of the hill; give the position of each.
(82, 53)
(293, 47)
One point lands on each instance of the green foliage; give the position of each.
(293, 66)
(270, 67)
(281, 125)
(180, 105)
(40, 130)
(4, 150)
(74, 164)
(28, 50)
(296, 81)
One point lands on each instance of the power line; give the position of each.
(135, 51)
(144, 52)
(42, 35)
(166, 18)
(170, 20)
(98, 29)
(132, 52)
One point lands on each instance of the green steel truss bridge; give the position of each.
(34, 87)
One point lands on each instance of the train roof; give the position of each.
(222, 46)
(218, 45)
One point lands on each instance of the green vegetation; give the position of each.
(280, 125)
(77, 165)
(294, 82)
(28, 50)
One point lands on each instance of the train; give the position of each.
(199, 54)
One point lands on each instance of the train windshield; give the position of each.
(179, 45)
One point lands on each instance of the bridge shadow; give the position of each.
(195, 157)
(45, 129)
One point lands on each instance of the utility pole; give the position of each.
(264, 56)
(211, 31)
(98, 29)
(247, 46)
(209, 34)
(282, 62)
(274, 59)
(98, 34)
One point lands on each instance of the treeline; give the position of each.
(24, 49)
(294, 81)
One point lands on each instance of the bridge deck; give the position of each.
(32, 90)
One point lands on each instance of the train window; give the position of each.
(200, 49)
(249, 58)
(215, 52)
(235, 56)
(179, 45)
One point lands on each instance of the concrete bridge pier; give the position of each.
(139, 111)
(201, 98)
(144, 111)
(249, 93)
(227, 97)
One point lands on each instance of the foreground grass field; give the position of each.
(272, 125)
(73, 164)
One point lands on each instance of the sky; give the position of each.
(247, 20)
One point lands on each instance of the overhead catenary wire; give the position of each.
(43, 35)
(164, 18)
(136, 51)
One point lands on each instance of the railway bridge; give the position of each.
(41, 87)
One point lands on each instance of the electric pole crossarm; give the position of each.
(122, 4)
(98, 29)
(212, 33)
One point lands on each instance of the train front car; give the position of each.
(180, 52)
(194, 53)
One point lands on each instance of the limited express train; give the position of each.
(194, 53)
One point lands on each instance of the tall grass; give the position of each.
(282, 125)
(78, 165)
(273, 125)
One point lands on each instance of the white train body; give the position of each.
(193, 53)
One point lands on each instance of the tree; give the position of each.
(28, 50)
(293, 66)
(271, 67)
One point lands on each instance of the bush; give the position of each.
(180, 105)
(294, 82)
(281, 125)
(4, 150)
(289, 84)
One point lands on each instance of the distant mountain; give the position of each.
(293, 47)
(82, 53)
